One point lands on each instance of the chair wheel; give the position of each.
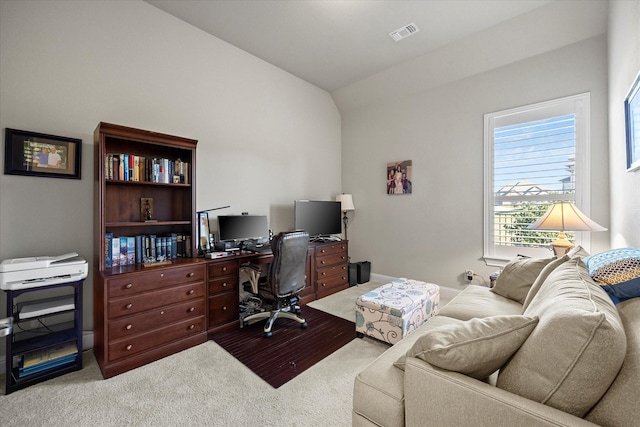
(268, 334)
(303, 325)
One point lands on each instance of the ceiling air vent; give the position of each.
(404, 32)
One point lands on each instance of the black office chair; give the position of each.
(285, 279)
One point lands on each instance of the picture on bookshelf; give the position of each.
(38, 154)
(146, 209)
(203, 233)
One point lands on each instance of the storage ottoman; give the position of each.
(390, 312)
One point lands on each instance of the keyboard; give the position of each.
(259, 249)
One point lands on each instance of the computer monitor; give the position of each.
(317, 217)
(238, 228)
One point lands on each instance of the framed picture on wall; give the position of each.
(632, 125)
(38, 154)
(399, 177)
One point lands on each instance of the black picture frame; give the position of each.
(632, 125)
(38, 154)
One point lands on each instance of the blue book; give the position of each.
(131, 250)
(108, 250)
(115, 252)
(123, 250)
(139, 248)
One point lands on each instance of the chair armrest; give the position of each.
(435, 396)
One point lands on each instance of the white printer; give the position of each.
(23, 273)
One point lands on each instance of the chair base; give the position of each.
(273, 315)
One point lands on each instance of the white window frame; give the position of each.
(580, 105)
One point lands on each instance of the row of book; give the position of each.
(47, 358)
(130, 167)
(149, 248)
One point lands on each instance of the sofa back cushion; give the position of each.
(576, 350)
(619, 407)
(517, 277)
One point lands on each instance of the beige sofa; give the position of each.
(565, 354)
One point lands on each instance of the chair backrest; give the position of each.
(288, 268)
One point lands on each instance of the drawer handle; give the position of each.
(224, 285)
(191, 309)
(322, 262)
(192, 326)
(161, 274)
(344, 278)
(322, 251)
(191, 274)
(343, 257)
(191, 292)
(324, 274)
(128, 327)
(129, 286)
(324, 285)
(224, 308)
(129, 347)
(128, 306)
(162, 312)
(224, 268)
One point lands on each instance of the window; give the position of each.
(534, 156)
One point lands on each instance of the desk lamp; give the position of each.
(346, 204)
(563, 216)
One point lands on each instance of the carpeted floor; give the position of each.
(201, 386)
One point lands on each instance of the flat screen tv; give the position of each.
(318, 218)
(238, 228)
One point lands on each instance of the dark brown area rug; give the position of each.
(291, 350)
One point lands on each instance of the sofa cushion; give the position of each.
(479, 301)
(617, 271)
(378, 393)
(542, 277)
(517, 277)
(619, 407)
(577, 348)
(476, 347)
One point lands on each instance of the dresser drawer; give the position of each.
(223, 268)
(331, 260)
(324, 285)
(334, 270)
(149, 340)
(224, 284)
(331, 248)
(151, 280)
(128, 305)
(157, 318)
(223, 308)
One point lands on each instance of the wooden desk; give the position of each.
(327, 273)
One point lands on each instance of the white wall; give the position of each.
(265, 136)
(624, 66)
(436, 233)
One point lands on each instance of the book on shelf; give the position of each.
(48, 358)
(139, 249)
(23, 372)
(132, 167)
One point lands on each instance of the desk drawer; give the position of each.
(127, 305)
(223, 308)
(147, 281)
(223, 284)
(329, 249)
(223, 268)
(139, 343)
(330, 260)
(334, 270)
(328, 285)
(143, 322)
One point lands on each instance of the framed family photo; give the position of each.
(632, 125)
(38, 154)
(399, 176)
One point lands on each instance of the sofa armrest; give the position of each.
(435, 396)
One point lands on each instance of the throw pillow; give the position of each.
(517, 277)
(541, 278)
(476, 347)
(617, 271)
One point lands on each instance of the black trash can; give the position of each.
(353, 273)
(364, 271)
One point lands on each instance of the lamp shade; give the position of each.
(346, 201)
(565, 216)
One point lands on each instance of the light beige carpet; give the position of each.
(201, 386)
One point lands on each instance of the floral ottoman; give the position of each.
(390, 312)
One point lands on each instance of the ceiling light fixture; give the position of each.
(404, 32)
